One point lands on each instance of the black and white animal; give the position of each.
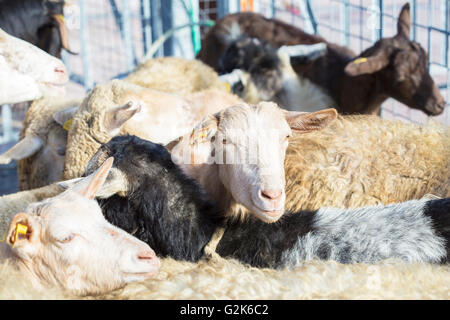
(393, 67)
(40, 22)
(147, 195)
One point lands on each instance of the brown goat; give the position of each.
(393, 67)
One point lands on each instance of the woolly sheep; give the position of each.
(66, 242)
(162, 117)
(175, 75)
(227, 279)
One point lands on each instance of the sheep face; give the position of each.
(402, 65)
(248, 145)
(68, 242)
(28, 73)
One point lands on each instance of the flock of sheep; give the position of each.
(179, 183)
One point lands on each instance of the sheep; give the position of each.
(175, 75)
(147, 195)
(349, 162)
(39, 22)
(42, 146)
(364, 160)
(27, 72)
(105, 112)
(393, 67)
(227, 279)
(53, 243)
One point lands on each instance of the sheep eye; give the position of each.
(68, 238)
(224, 141)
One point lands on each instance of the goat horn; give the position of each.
(63, 32)
(311, 51)
(23, 149)
(232, 78)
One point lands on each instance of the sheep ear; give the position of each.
(89, 186)
(25, 148)
(196, 148)
(404, 22)
(115, 184)
(302, 122)
(23, 232)
(115, 118)
(365, 65)
(62, 116)
(205, 130)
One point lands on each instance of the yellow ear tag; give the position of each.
(22, 229)
(227, 86)
(67, 124)
(62, 18)
(360, 60)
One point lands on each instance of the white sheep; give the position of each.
(27, 72)
(54, 242)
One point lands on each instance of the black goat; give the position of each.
(40, 22)
(148, 195)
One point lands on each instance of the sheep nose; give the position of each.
(60, 69)
(146, 255)
(271, 194)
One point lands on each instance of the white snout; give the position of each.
(138, 260)
(54, 80)
(269, 203)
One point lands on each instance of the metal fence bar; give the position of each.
(85, 55)
(126, 35)
(310, 21)
(145, 23)
(167, 24)
(156, 24)
(344, 22)
(7, 124)
(223, 8)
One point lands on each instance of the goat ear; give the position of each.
(367, 65)
(205, 130)
(89, 186)
(404, 22)
(302, 122)
(25, 148)
(116, 117)
(23, 232)
(197, 147)
(62, 116)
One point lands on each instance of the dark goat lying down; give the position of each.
(147, 195)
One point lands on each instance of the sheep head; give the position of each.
(246, 146)
(28, 73)
(55, 240)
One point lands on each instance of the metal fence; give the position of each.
(113, 36)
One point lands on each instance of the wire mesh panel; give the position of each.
(108, 36)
